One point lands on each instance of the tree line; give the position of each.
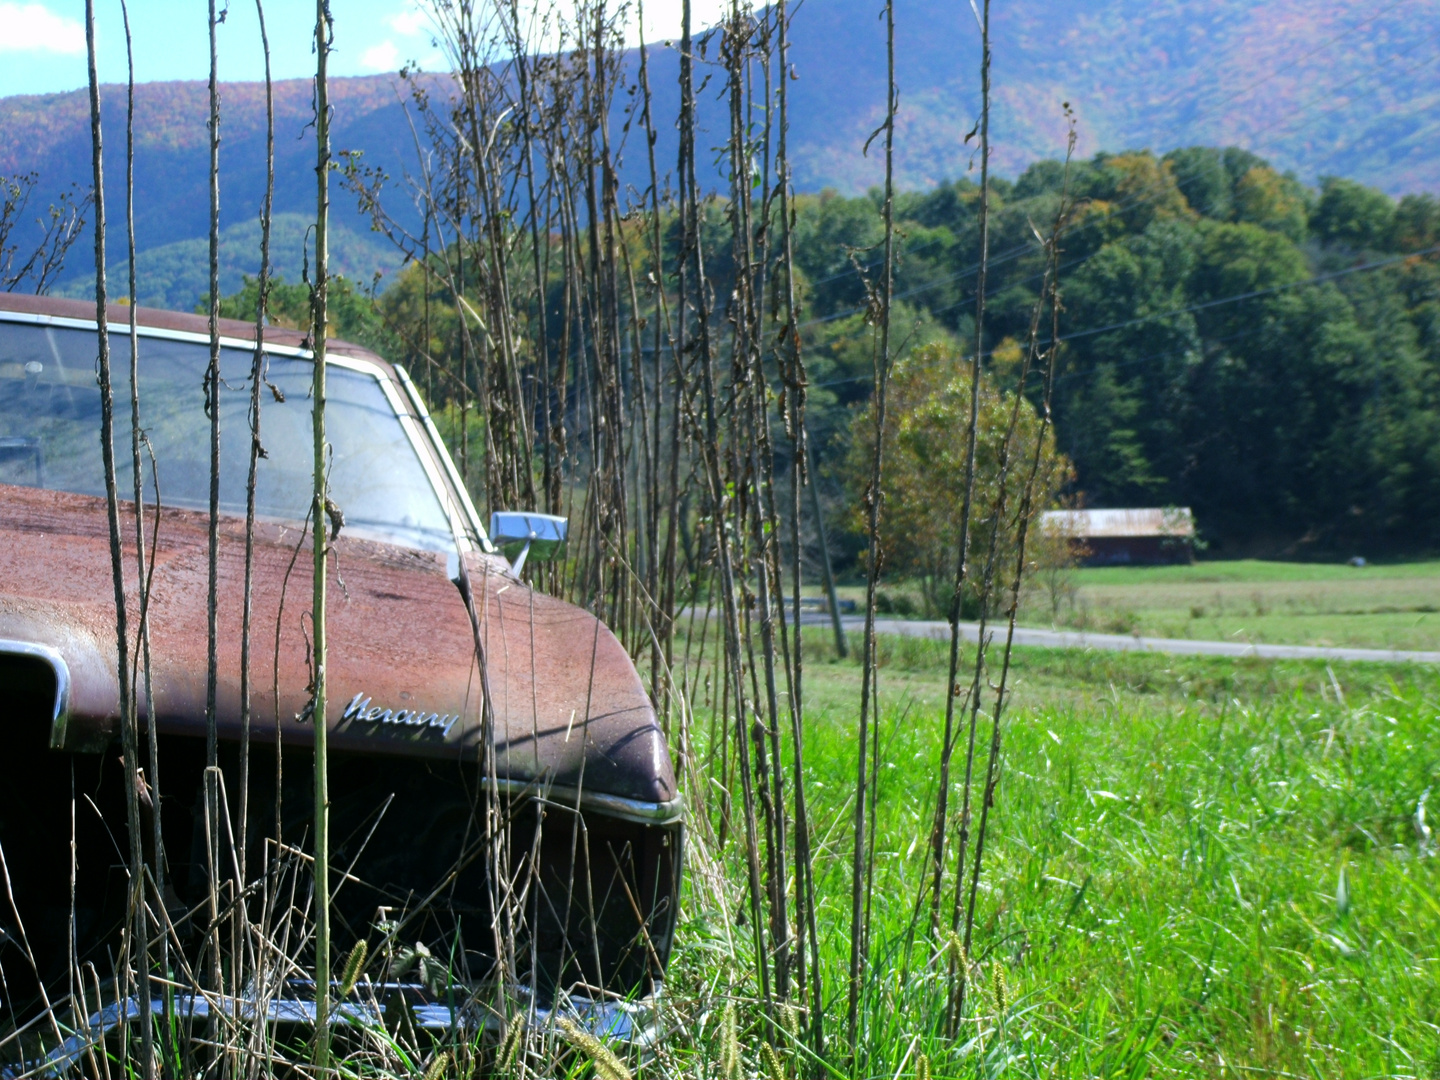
(1232, 340)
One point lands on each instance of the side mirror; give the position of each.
(520, 535)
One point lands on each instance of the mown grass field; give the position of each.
(1393, 606)
(1199, 867)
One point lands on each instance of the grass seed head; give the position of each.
(1002, 991)
(607, 1065)
(439, 1066)
(922, 1067)
(954, 950)
(729, 1044)
(354, 965)
(790, 1020)
(509, 1046)
(774, 1067)
(955, 956)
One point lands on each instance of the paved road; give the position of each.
(1070, 639)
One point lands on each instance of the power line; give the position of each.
(1252, 294)
(1206, 305)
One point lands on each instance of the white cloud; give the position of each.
(410, 33)
(663, 18)
(35, 28)
(410, 22)
(382, 57)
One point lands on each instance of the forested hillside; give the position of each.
(1316, 88)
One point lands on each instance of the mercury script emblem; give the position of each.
(361, 709)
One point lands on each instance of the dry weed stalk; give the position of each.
(867, 759)
(1039, 354)
(135, 933)
(940, 828)
(319, 520)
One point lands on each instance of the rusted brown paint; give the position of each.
(565, 696)
(569, 707)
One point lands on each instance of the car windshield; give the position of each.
(50, 432)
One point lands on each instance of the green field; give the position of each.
(1386, 606)
(1392, 606)
(1200, 867)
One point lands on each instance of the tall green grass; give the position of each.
(1200, 868)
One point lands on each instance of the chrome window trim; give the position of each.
(57, 665)
(350, 363)
(427, 461)
(446, 460)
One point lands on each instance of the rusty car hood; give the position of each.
(405, 676)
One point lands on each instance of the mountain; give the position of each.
(1314, 86)
(50, 135)
(177, 275)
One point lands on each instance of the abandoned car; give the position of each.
(580, 763)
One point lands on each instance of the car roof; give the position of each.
(176, 321)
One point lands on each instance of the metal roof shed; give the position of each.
(1137, 536)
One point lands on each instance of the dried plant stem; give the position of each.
(319, 520)
(212, 398)
(940, 827)
(753, 505)
(212, 406)
(134, 947)
(142, 576)
(1049, 297)
(142, 580)
(657, 580)
(800, 476)
(861, 878)
(257, 377)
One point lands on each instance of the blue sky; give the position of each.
(42, 42)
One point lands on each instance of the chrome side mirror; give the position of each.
(519, 535)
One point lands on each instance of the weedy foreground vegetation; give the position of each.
(921, 860)
(1201, 868)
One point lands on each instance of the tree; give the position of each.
(925, 470)
(1140, 187)
(1044, 177)
(1102, 416)
(829, 230)
(1122, 392)
(1234, 261)
(1202, 177)
(1416, 225)
(1263, 197)
(1352, 214)
(34, 264)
